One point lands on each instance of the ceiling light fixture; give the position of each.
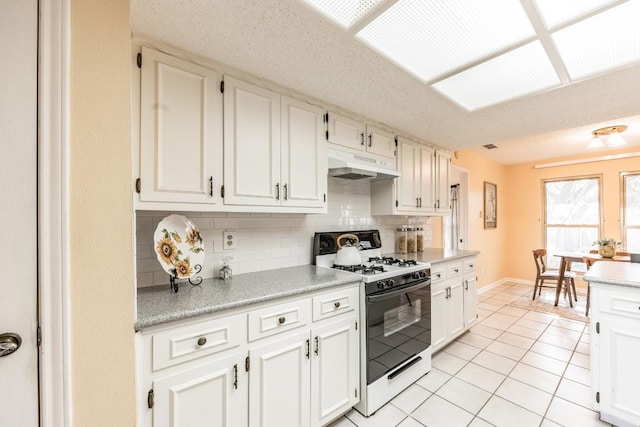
(612, 132)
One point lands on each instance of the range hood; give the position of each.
(347, 165)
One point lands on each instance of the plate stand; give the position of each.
(198, 280)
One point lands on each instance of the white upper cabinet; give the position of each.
(443, 190)
(346, 132)
(381, 142)
(274, 152)
(304, 155)
(180, 132)
(355, 135)
(411, 193)
(251, 144)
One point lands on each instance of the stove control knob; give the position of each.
(415, 275)
(380, 285)
(389, 283)
(423, 274)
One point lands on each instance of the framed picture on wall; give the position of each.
(490, 205)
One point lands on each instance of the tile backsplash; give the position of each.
(269, 241)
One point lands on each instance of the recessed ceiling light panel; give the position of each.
(344, 13)
(605, 41)
(556, 12)
(430, 38)
(519, 72)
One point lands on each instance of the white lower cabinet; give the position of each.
(290, 372)
(615, 348)
(453, 300)
(213, 394)
(279, 383)
(334, 370)
(470, 299)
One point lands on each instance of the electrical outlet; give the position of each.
(229, 242)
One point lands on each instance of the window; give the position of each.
(572, 216)
(631, 211)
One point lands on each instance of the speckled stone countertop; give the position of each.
(432, 255)
(614, 273)
(158, 304)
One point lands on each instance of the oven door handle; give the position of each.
(385, 295)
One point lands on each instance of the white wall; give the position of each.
(269, 241)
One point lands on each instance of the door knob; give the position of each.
(9, 343)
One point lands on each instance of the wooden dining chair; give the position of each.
(543, 274)
(589, 262)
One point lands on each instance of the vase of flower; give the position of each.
(607, 246)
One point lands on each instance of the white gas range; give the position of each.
(396, 310)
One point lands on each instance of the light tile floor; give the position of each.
(514, 368)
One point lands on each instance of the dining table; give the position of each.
(566, 258)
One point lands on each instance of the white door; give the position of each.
(18, 204)
(279, 383)
(443, 195)
(427, 175)
(251, 145)
(180, 131)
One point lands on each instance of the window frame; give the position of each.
(623, 205)
(545, 225)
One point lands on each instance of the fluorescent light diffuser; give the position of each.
(344, 13)
(430, 38)
(556, 12)
(600, 43)
(519, 72)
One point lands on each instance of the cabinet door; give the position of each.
(180, 131)
(212, 394)
(304, 155)
(439, 319)
(279, 383)
(381, 142)
(443, 191)
(618, 369)
(407, 184)
(470, 300)
(455, 308)
(251, 144)
(346, 132)
(334, 370)
(426, 178)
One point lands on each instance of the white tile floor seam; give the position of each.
(514, 365)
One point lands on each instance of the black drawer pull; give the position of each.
(336, 304)
(202, 341)
(281, 320)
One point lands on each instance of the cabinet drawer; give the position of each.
(454, 269)
(469, 265)
(620, 302)
(279, 318)
(438, 273)
(189, 342)
(334, 303)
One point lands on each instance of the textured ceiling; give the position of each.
(287, 43)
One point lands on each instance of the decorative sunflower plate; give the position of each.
(178, 246)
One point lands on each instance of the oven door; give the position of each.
(398, 327)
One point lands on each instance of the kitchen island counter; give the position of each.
(158, 304)
(614, 273)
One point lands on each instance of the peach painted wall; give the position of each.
(101, 256)
(491, 243)
(524, 207)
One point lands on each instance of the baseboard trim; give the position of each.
(497, 283)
